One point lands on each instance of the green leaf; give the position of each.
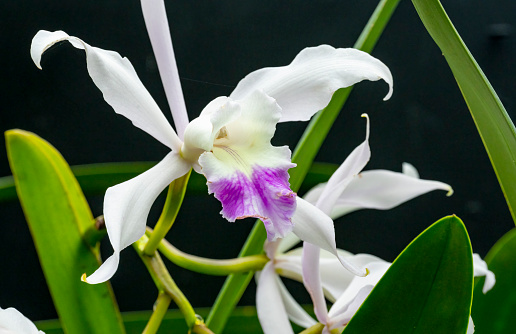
(427, 289)
(303, 156)
(493, 123)
(58, 217)
(493, 312)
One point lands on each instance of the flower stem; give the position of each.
(175, 195)
(160, 309)
(201, 328)
(315, 329)
(211, 266)
(164, 281)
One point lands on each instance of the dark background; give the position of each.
(426, 122)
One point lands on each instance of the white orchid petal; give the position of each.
(119, 84)
(344, 316)
(246, 173)
(312, 280)
(313, 226)
(289, 241)
(480, 269)
(127, 205)
(377, 268)
(290, 266)
(313, 195)
(308, 83)
(201, 132)
(156, 21)
(295, 312)
(271, 248)
(345, 174)
(269, 303)
(471, 326)
(335, 278)
(13, 321)
(409, 170)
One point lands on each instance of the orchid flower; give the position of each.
(13, 322)
(378, 189)
(230, 140)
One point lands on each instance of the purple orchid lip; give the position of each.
(264, 194)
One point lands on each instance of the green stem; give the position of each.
(211, 266)
(315, 329)
(303, 155)
(164, 281)
(201, 328)
(175, 195)
(160, 309)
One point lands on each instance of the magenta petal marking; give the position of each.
(265, 195)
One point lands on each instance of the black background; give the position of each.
(426, 122)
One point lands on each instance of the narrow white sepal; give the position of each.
(156, 22)
(377, 189)
(119, 84)
(345, 174)
(269, 303)
(127, 205)
(295, 312)
(312, 280)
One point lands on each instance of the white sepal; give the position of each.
(156, 21)
(269, 303)
(119, 84)
(127, 205)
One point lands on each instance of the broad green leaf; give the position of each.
(493, 313)
(493, 123)
(94, 179)
(59, 217)
(427, 289)
(303, 156)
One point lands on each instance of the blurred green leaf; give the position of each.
(493, 123)
(427, 289)
(493, 313)
(94, 179)
(58, 217)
